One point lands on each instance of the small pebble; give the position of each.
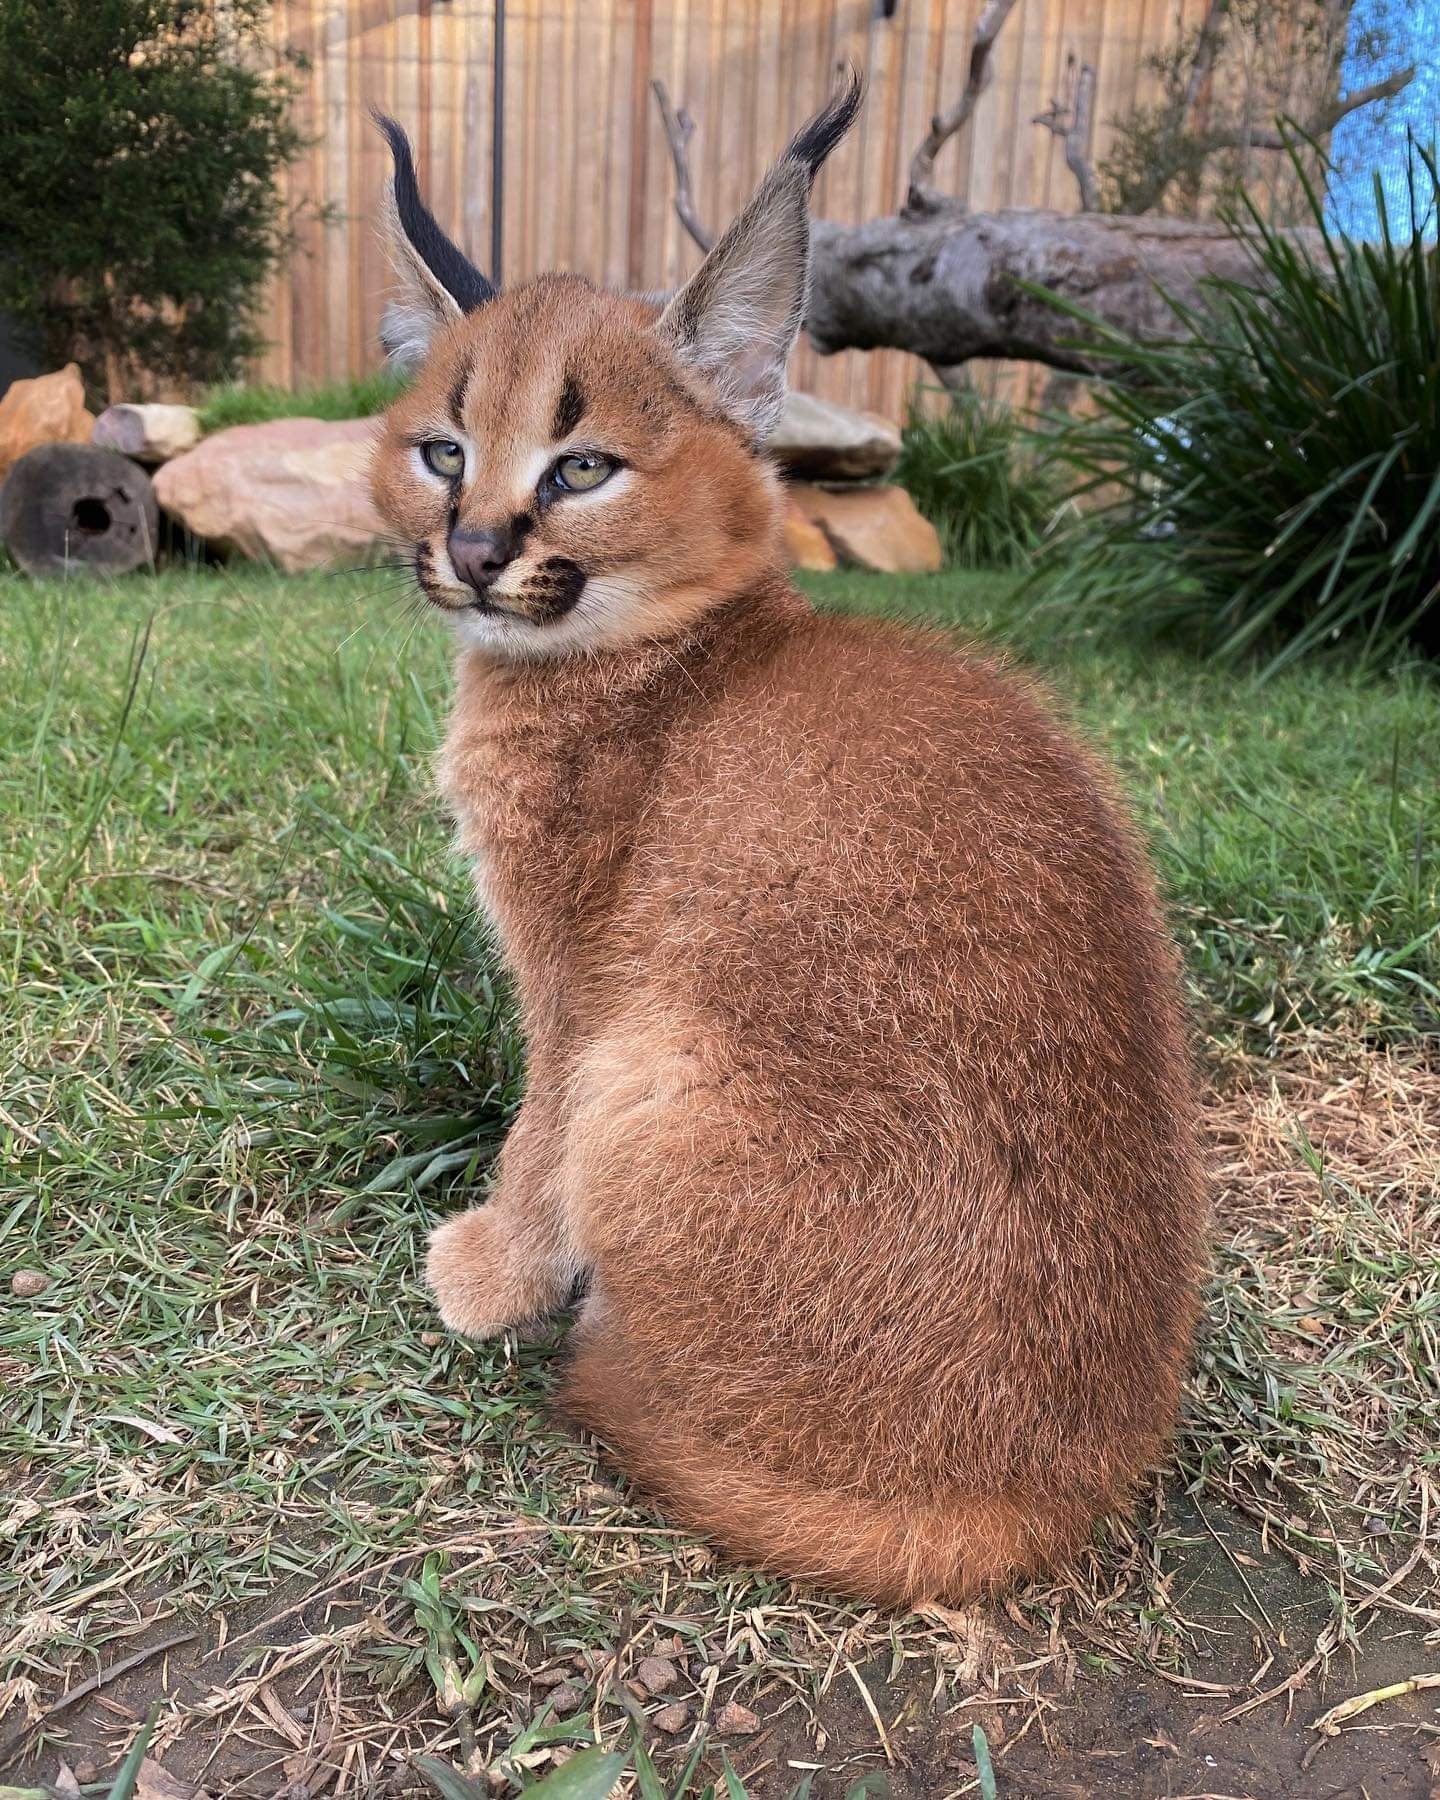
(549, 1678)
(25, 1284)
(565, 1699)
(658, 1674)
(671, 1719)
(736, 1720)
(430, 1339)
(86, 1772)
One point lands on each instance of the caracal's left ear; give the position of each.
(736, 320)
(438, 283)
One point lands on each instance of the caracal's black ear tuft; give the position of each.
(438, 281)
(814, 142)
(736, 320)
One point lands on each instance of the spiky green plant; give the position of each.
(969, 471)
(1272, 480)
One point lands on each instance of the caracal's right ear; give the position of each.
(736, 320)
(438, 282)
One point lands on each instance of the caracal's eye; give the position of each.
(576, 474)
(444, 458)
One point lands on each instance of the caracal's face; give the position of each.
(579, 470)
(564, 482)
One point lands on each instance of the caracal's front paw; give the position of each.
(471, 1271)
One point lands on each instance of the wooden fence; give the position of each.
(587, 176)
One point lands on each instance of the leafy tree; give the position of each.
(140, 213)
(1210, 137)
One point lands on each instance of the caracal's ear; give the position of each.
(438, 282)
(736, 320)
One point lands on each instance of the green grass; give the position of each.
(252, 1039)
(355, 398)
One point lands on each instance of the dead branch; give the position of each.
(679, 129)
(1207, 47)
(1323, 122)
(944, 125)
(1071, 123)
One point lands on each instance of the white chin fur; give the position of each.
(604, 615)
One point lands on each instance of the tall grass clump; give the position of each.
(968, 470)
(1272, 481)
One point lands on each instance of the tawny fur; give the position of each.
(858, 1099)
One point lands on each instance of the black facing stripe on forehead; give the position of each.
(457, 392)
(570, 408)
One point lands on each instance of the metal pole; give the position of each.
(497, 147)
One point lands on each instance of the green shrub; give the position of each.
(1272, 482)
(355, 398)
(968, 472)
(139, 211)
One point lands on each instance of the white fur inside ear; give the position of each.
(736, 320)
(421, 306)
(405, 334)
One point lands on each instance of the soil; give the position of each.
(1120, 1733)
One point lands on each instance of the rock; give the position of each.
(872, 527)
(671, 1719)
(292, 492)
(824, 442)
(27, 1284)
(47, 409)
(806, 545)
(565, 1699)
(70, 509)
(549, 1678)
(657, 1674)
(151, 434)
(735, 1720)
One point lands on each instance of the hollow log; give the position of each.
(73, 509)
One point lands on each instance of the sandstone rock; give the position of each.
(736, 1720)
(151, 434)
(671, 1719)
(806, 545)
(872, 527)
(657, 1674)
(292, 492)
(565, 1699)
(47, 409)
(824, 442)
(26, 1284)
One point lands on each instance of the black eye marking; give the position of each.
(457, 392)
(521, 526)
(570, 410)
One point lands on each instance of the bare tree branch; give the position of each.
(679, 129)
(1070, 122)
(944, 125)
(1323, 122)
(1207, 46)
